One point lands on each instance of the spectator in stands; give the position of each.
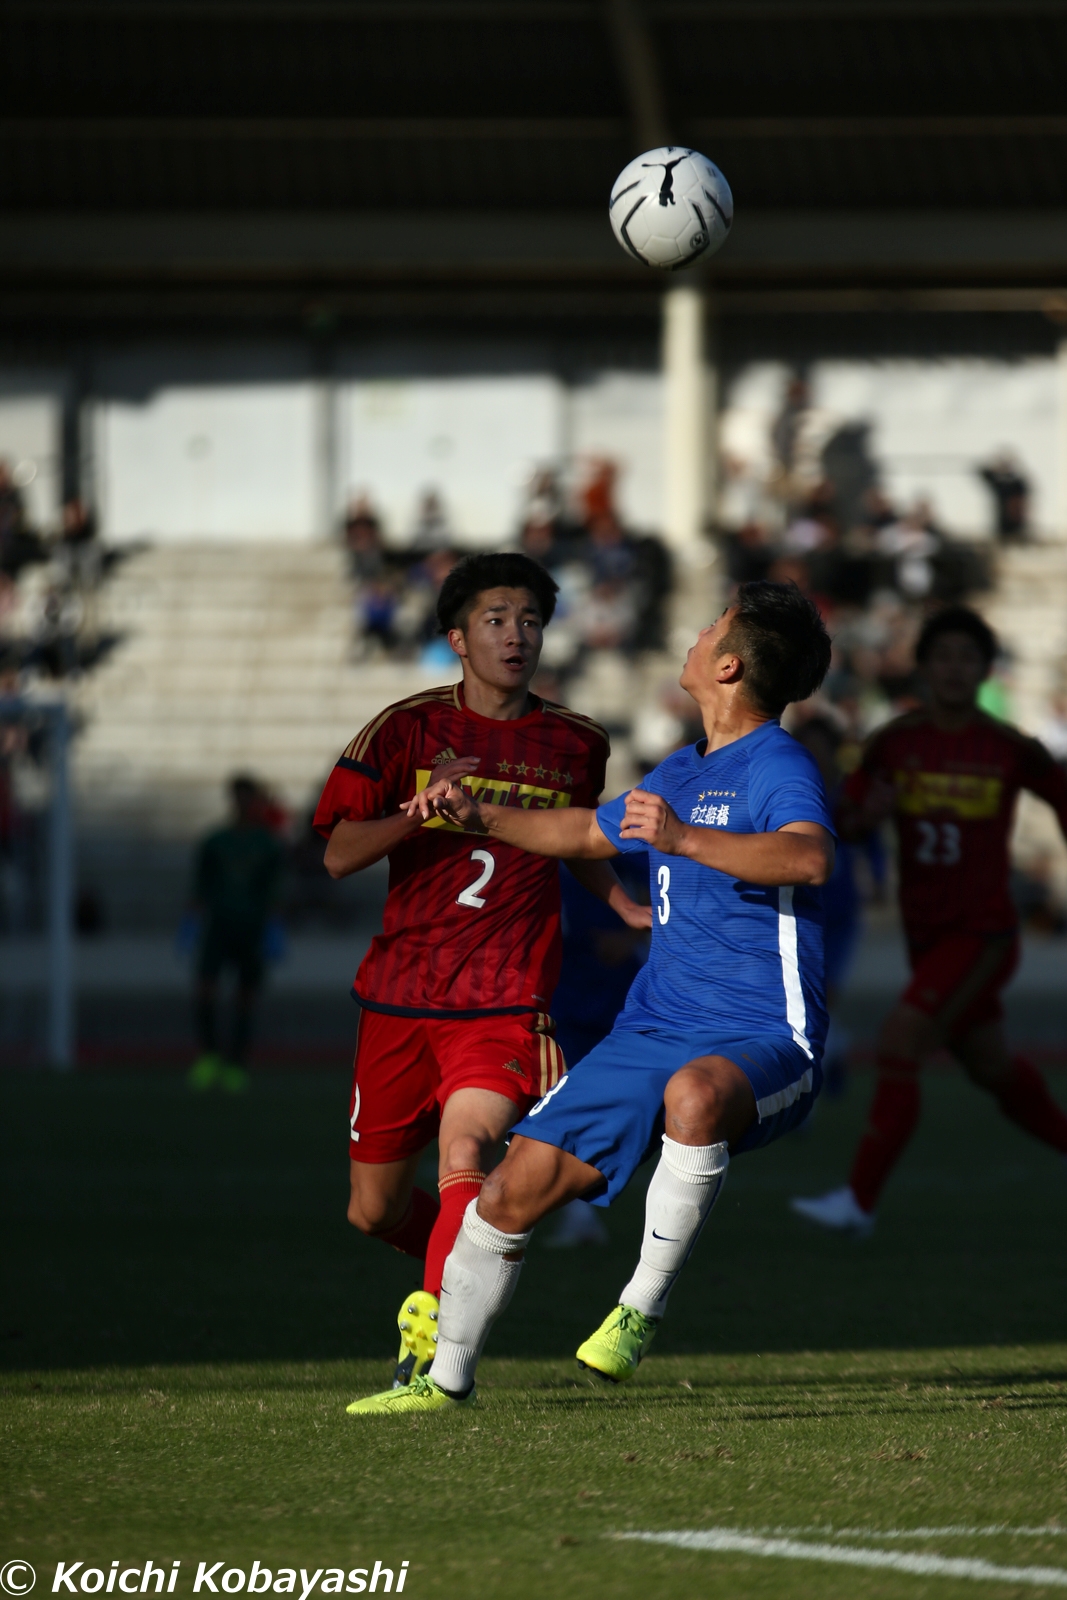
(788, 425)
(12, 521)
(911, 544)
(77, 548)
(57, 620)
(609, 550)
(653, 576)
(546, 533)
(237, 885)
(363, 541)
(1011, 497)
(608, 616)
(376, 605)
(19, 545)
(432, 529)
(419, 620)
(13, 743)
(596, 498)
(538, 539)
(78, 526)
(377, 584)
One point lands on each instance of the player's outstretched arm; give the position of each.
(564, 833)
(1044, 777)
(355, 844)
(799, 853)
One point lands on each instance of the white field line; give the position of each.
(924, 1566)
(1052, 1530)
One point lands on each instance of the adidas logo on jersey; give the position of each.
(445, 755)
(513, 1066)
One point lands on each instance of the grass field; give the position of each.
(186, 1313)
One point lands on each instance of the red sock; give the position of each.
(1026, 1100)
(893, 1116)
(458, 1189)
(412, 1236)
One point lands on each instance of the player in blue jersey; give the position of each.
(718, 1047)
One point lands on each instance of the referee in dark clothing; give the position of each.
(237, 883)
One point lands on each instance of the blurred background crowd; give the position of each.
(818, 514)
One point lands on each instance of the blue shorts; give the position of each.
(608, 1111)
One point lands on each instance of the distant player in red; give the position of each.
(948, 776)
(455, 1039)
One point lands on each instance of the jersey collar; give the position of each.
(699, 751)
(535, 713)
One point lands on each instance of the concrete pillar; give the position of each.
(685, 419)
(60, 1041)
(327, 493)
(1059, 529)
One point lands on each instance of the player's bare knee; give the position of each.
(696, 1106)
(505, 1204)
(494, 1202)
(908, 1033)
(373, 1214)
(464, 1152)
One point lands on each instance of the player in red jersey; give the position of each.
(455, 1041)
(949, 776)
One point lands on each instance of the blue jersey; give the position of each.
(731, 958)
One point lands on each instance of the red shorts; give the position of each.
(957, 980)
(407, 1067)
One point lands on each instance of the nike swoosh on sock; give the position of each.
(662, 1237)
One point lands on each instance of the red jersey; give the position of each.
(955, 802)
(471, 925)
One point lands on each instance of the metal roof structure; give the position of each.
(249, 157)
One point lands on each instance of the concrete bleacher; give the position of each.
(238, 656)
(230, 657)
(1027, 609)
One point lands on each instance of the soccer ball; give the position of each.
(671, 206)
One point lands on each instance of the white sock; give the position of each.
(477, 1286)
(684, 1187)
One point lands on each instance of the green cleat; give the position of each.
(620, 1344)
(204, 1072)
(421, 1394)
(232, 1078)
(417, 1321)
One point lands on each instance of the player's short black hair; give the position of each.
(472, 575)
(957, 619)
(779, 635)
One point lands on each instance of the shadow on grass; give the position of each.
(144, 1225)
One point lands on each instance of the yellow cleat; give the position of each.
(417, 1321)
(619, 1345)
(233, 1079)
(204, 1072)
(421, 1394)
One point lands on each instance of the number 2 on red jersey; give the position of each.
(471, 896)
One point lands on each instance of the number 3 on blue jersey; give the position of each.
(663, 910)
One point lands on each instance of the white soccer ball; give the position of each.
(671, 206)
